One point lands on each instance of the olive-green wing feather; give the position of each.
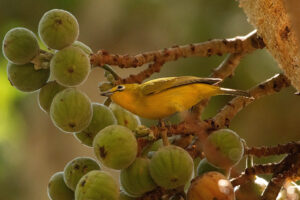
(158, 85)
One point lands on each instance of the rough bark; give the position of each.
(274, 25)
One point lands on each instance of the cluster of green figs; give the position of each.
(110, 130)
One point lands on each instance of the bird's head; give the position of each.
(120, 90)
(125, 95)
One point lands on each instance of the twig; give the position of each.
(138, 78)
(227, 113)
(107, 102)
(164, 137)
(282, 172)
(255, 170)
(289, 148)
(192, 127)
(110, 70)
(228, 66)
(214, 47)
(224, 70)
(223, 118)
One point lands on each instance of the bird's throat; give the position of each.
(125, 100)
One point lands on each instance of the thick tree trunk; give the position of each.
(274, 25)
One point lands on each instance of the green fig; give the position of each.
(70, 66)
(152, 147)
(83, 47)
(136, 179)
(102, 117)
(211, 185)
(25, 78)
(47, 93)
(204, 166)
(115, 146)
(171, 167)
(58, 29)
(20, 46)
(71, 110)
(196, 163)
(124, 196)
(77, 168)
(97, 185)
(223, 148)
(57, 189)
(124, 117)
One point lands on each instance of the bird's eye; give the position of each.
(120, 87)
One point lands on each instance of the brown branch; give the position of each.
(255, 170)
(228, 66)
(224, 70)
(283, 171)
(286, 169)
(201, 129)
(228, 112)
(289, 148)
(191, 127)
(239, 44)
(223, 118)
(138, 78)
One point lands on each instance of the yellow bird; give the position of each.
(162, 97)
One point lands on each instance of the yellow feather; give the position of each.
(163, 97)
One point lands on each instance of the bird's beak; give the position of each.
(106, 94)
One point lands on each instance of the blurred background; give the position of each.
(32, 149)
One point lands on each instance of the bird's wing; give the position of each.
(161, 84)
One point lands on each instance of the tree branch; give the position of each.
(289, 148)
(239, 44)
(228, 112)
(250, 172)
(224, 70)
(273, 24)
(284, 170)
(138, 78)
(223, 118)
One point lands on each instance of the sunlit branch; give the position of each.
(213, 47)
(289, 148)
(228, 112)
(224, 70)
(255, 170)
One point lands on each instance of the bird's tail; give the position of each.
(235, 92)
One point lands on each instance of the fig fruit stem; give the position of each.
(42, 60)
(110, 70)
(107, 102)
(164, 133)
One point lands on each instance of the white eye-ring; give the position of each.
(120, 87)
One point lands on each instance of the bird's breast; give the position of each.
(168, 102)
